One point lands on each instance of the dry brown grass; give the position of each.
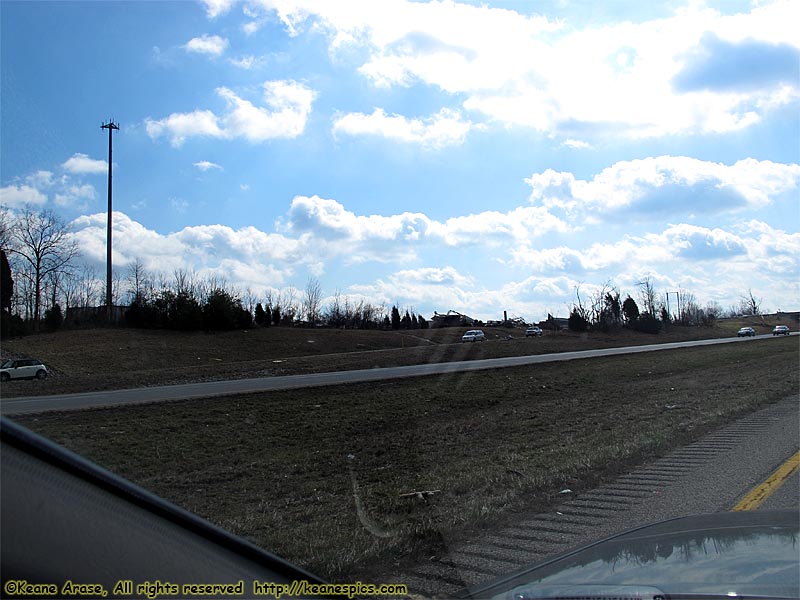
(317, 475)
(102, 359)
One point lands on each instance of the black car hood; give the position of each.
(736, 554)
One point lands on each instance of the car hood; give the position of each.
(753, 554)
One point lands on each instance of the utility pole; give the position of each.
(111, 126)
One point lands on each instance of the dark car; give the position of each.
(733, 554)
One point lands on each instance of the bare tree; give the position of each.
(648, 296)
(89, 286)
(41, 240)
(334, 314)
(749, 304)
(139, 281)
(312, 299)
(5, 228)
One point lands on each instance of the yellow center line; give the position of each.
(756, 497)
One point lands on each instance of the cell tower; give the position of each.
(111, 126)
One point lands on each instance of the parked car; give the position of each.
(533, 331)
(473, 335)
(746, 331)
(22, 368)
(780, 330)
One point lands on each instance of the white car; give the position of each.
(473, 335)
(780, 330)
(533, 331)
(22, 368)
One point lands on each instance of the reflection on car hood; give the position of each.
(754, 554)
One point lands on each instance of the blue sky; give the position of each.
(479, 157)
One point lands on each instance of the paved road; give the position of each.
(32, 404)
(710, 475)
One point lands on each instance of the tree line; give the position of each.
(604, 309)
(42, 282)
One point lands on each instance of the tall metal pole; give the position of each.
(111, 126)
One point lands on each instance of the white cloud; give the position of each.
(441, 129)
(577, 144)
(212, 45)
(286, 110)
(205, 165)
(244, 62)
(81, 164)
(243, 257)
(179, 126)
(41, 180)
(620, 79)
(215, 8)
(652, 188)
(75, 196)
(17, 196)
(288, 105)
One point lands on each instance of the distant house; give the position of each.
(452, 319)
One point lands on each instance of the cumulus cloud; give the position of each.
(286, 110)
(245, 256)
(649, 78)
(179, 126)
(213, 45)
(41, 179)
(75, 196)
(330, 220)
(17, 196)
(441, 129)
(81, 164)
(656, 187)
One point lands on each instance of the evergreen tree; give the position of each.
(260, 314)
(53, 317)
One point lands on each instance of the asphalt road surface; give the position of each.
(34, 404)
(711, 475)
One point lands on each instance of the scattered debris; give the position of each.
(515, 472)
(421, 495)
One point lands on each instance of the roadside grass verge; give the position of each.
(85, 360)
(318, 475)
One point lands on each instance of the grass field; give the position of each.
(101, 359)
(318, 475)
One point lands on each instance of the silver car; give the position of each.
(473, 335)
(780, 330)
(22, 368)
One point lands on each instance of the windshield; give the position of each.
(407, 291)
